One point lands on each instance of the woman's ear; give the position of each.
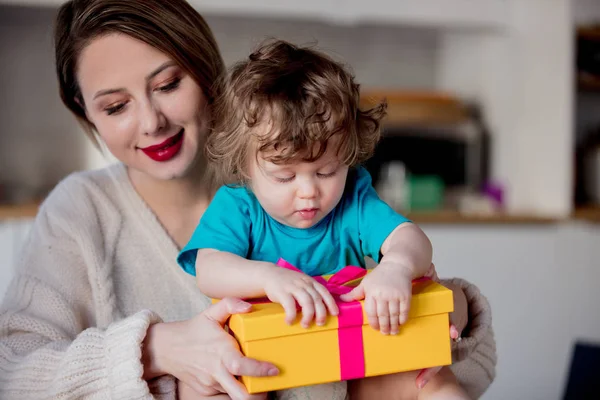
(81, 104)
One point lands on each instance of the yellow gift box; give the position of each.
(331, 353)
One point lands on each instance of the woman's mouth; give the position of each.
(166, 150)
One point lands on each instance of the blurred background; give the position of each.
(492, 145)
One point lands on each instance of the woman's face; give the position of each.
(150, 113)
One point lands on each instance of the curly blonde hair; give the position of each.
(302, 97)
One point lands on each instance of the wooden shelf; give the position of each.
(588, 214)
(589, 33)
(18, 211)
(446, 217)
(456, 218)
(588, 83)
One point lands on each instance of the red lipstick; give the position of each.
(166, 150)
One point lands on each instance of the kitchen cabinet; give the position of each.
(480, 14)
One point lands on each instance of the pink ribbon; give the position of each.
(350, 320)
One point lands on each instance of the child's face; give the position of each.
(299, 194)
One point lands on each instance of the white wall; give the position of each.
(586, 11)
(542, 284)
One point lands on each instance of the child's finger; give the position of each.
(289, 305)
(383, 315)
(327, 299)
(320, 310)
(394, 316)
(404, 309)
(371, 310)
(307, 304)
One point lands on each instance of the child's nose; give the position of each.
(307, 190)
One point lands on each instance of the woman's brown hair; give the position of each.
(298, 98)
(171, 26)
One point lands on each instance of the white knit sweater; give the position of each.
(97, 261)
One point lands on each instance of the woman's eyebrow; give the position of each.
(149, 77)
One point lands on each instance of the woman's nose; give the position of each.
(153, 120)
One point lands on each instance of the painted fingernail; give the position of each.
(453, 332)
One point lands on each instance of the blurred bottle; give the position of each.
(392, 186)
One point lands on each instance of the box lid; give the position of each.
(267, 320)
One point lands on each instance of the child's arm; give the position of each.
(407, 247)
(220, 274)
(388, 289)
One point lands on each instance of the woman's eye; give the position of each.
(284, 180)
(114, 108)
(169, 86)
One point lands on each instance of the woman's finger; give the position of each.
(234, 388)
(222, 310)
(425, 376)
(239, 365)
(454, 333)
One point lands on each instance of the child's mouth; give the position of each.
(308, 213)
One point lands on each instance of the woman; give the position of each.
(76, 321)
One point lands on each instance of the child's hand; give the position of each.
(387, 292)
(287, 287)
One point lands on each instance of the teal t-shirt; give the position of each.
(357, 227)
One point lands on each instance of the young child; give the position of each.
(288, 141)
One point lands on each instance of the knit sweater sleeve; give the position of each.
(57, 336)
(474, 356)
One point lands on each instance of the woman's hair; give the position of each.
(171, 26)
(285, 102)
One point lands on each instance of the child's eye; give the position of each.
(284, 180)
(113, 109)
(328, 175)
(169, 86)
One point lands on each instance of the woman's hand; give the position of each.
(458, 321)
(288, 287)
(202, 355)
